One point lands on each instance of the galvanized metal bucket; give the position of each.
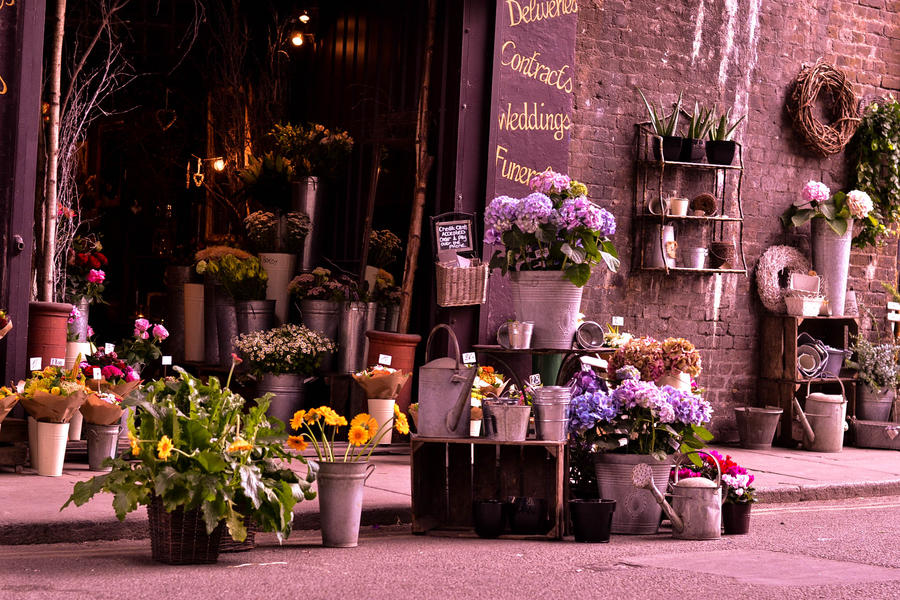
(636, 510)
(211, 290)
(255, 315)
(352, 337)
(551, 412)
(551, 302)
(323, 317)
(340, 501)
(226, 321)
(102, 442)
(831, 259)
(288, 390)
(506, 422)
(445, 385)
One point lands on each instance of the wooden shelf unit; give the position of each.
(779, 379)
(449, 474)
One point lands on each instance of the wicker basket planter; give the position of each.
(179, 537)
(461, 286)
(227, 544)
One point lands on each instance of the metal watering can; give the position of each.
(696, 509)
(824, 421)
(445, 388)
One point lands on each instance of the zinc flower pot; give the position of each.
(551, 302)
(872, 405)
(352, 337)
(102, 443)
(307, 197)
(831, 259)
(736, 518)
(637, 512)
(255, 315)
(288, 389)
(80, 324)
(323, 317)
(340, 501)
(226, 322)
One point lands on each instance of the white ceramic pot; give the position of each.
(475, 428)
(678, 207)
(75, 425)
(279, 267)
(51, 442)
(382, 410)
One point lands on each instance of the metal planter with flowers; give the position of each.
(551, 239)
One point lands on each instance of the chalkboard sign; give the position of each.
(453, 235)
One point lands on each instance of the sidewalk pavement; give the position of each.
(29, 504)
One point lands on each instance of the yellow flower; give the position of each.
(296, 442)
(312, 415)
(396, 410)
(358, 436)
(55, 390)
(297, 419)
(401, 424)
(164, 448)
(135, 444)
(239, 445)
(360, 419)
(331, 417)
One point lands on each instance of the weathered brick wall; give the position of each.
(736, 53)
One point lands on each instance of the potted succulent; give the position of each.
(879, 373)
(551, 239)
(633, 423)
(720, 147)
(281, 359)
(203, 462)
(693, 147)
(665, 127)
(341, 476)
(738, 494)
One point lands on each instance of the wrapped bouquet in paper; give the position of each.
(488, 384)
(115, 375)
(102, 408)
(54, 395)
(8, 399)
(381, 382)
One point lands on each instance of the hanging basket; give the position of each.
(179, 537)
(461, 286)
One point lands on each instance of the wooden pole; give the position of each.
(46, 291)
(424, 162)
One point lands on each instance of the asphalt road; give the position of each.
(839, 549)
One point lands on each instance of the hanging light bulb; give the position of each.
(219, 164)
(297, 39)
(304, 18)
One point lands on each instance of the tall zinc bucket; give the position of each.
(306, 197)
(340, 501)
(323, 317)
(288, 390)
(445, 386)
(194, 330)
(102, 442)
(226, 320)
(352, 337)
(831, 259)
(80, 323)
(211, 291)
(551, 302)
(280, 268)
(505, 422)
(637, 512)
(176, 277)
(255, 315)
(371, 315)
(551, 412)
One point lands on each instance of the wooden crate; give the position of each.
(778, 342)
(449, 474)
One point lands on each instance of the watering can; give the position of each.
(824, 421)
(445, 388)
(696, 509)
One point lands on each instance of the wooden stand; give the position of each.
(780, 380)
(448, 474)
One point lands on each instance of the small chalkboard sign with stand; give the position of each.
(460, 276)
(453, 234)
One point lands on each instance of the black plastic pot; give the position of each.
(671, 148)
(489, 517)
(592, 519)
(736, 518)
(720, 152)
(692, 150)
(528, 516)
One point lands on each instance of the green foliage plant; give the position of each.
(243, 278)
(722, 128)
(700, 123)
(662, 124)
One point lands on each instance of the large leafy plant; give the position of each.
(313, 149)
(556, 228)
(875, 168)
(197, 446)
(243, 278)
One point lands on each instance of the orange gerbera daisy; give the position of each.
(297, 419)
(358, 436)
(164, 448)
(296, 442)
(239, 445)
(401, 424)
(135, 444)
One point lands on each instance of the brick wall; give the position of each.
(742, 54)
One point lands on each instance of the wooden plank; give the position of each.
(459, 486)
(509, 472)
(770, 348)
(485, 484)
(13, 455)
(487, 441)
(789, 347)
(429, 485)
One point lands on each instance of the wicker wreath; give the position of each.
(773, 261)
(821, 138)
(706, 203)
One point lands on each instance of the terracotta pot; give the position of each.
(402, 349)
(47, 330)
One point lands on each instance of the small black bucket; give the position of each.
(489, 517)
(592, 519)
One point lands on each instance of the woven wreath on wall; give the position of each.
(773, 273)
(823, 80)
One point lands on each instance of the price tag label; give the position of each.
(469, 358)
(34, 364)
(385, 359)
(109, 348)
(534, 380)
(57, 362)
(166, 360)
(96, 373)
(618, 321)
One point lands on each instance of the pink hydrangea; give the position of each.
(860, 204)
(160, 332)
(131, 375)
(549, 181)
(815, 192)
(96, 276)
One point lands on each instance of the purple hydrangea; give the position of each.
(581, 212)
(587, 381)
(550, 182)
(628, 372)
(632, 393)
(688, 408)
(585, 410)
(500, 215)
(532, 211)
(607, 223)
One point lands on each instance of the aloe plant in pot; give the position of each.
(693, 146)
(665, 127)
(720, 147)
